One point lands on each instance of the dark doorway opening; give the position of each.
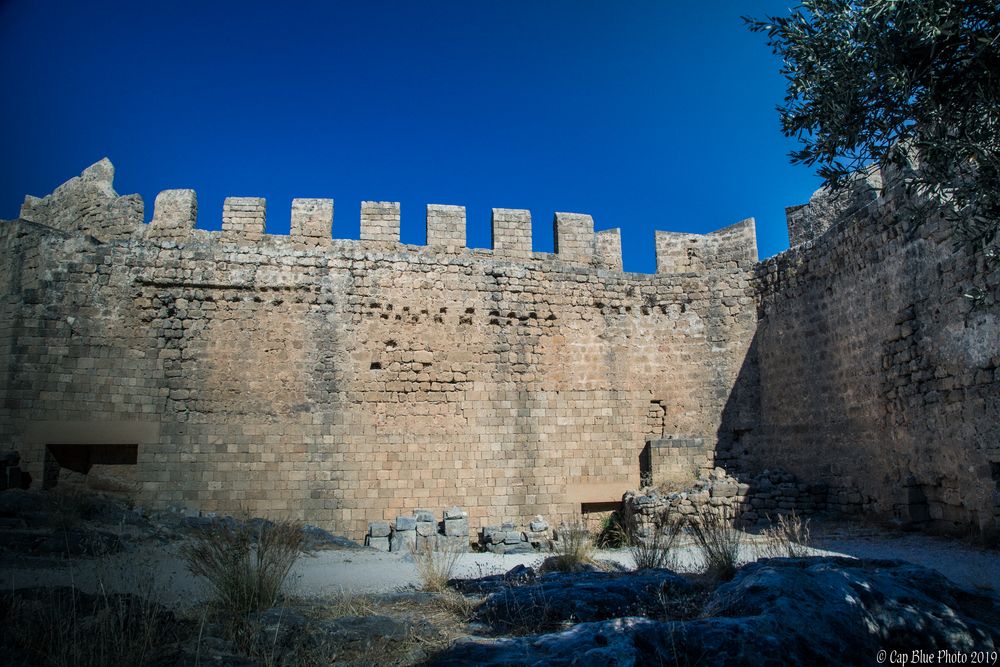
(82, 459)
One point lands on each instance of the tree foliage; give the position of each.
(889, 82)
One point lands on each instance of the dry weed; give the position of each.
(573, 549)
(788, 537)
(435, 567)
(719, 542)
(650, 549)
(245, 563)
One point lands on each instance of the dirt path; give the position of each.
(160, 567)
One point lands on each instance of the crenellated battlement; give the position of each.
(342, 381)
(88, 203)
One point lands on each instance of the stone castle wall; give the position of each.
(878, 349)
(343, 382)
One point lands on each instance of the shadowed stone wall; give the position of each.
(878, 369)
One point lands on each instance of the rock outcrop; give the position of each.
(808, 611)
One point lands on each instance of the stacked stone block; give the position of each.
(573, 235)
(421, 531)
(446, 226)
(380, 221)
(379, 535)
(312, 221)
(174, 215)
(89, 205)
(678, 461)
(756, 501)
(404, 534)
(810, 221)
(608, 249)
(731, 247)
(243, 218)
(511, 232)
(509, 538)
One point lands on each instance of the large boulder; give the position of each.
(806, 611)
(577, 597)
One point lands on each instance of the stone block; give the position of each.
(489, 532)
(573, 235)
(453, 542)
(724, 490)
(424, 515)
(608, 248)
(174, 214)
(406, 523)
(513, 537)
(379, 543)
(519, 548)
(445, 225)
(512, 232)
(539, 524)
(404, 540)
(426, 528)
(380, 221)
(379, 529)
(455, 513)
(456, 527)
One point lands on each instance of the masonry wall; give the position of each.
(343, 381)
(878, 370)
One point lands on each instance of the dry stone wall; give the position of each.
(346, 382)
(878, 348)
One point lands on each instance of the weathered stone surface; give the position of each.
(403, 540)
(317, 538)
(379, 529)
(378, 543)
(455, 513)
(406, 523)
(539, 524)
(456, 527)
(579, 597)
(833, 611)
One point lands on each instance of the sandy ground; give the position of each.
(346, 572)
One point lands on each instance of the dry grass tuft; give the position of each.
(436, 566)
(573, 549)
(719, 542)
(653, 550)
(788, 537)
(246, 563)
(64, 627)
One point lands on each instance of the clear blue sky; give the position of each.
(647, 115)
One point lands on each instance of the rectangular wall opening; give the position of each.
(100, 467)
